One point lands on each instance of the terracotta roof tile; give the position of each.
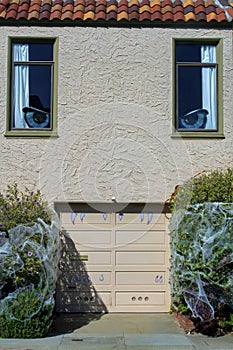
(178, 13)
(89, 15)
(133, 8)
(100, 16)
(209, 2)
(111, 8)
(122, 10)
(178, 16)
(177, 9)
(145, 16)
(199, 9)
(79, 7)
(144, 8)
(133, 2)
(222, 17)
(101, 2)
(112, 15)
(122, 15)
(168, 16)
(210, 9)
(201, 16)
(211, 17)
(189, 17)
(156, 8)
(167, 8)
(100, 8)
(78, 2)
(3, 5)
(155, 2)
(189, 9)
(45, 7)
(68, 7)
(13, 7)
(230, 12)
(156, 16)
(34, 6)
(67, 15)
(78, 15)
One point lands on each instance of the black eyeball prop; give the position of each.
(194, 120)
(36, 118)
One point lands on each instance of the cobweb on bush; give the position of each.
(38, 241)
(202, 258)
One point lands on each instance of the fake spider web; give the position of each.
(39, 242)
(202, 258)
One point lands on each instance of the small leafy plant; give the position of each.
(29, 254)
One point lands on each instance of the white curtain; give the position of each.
(209, 93)
(21, 84)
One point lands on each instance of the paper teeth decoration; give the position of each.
(105, 216)
(142, 217)
(82, 216)
(73, 217)
(120, 216)
(150, 217)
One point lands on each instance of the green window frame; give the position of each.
(197, 88)
(32, 87)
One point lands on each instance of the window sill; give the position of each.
(31, 134)
(197, 135)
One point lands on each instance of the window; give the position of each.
(32, 107)
(197, 88)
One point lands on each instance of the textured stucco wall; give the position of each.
(114, 118)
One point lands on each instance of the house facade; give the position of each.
(105, 107)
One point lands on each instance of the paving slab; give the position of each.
(157, 341)
(92, 342)
(132, 323)
(31, 344)
(202, 342)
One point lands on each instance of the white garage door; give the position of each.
(115, 263)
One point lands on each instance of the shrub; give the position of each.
(25, 314)
(29, 254)
(202, 250)
(22, 207)
(214, 186)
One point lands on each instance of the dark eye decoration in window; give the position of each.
(196, 87)
(32, 85)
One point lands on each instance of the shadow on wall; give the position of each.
(77, 302)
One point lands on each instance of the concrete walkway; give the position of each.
(119, 332)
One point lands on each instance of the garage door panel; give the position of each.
(140, 219)
(84, 279)
(86, 219)
(74, 301)
(96, 257)
(94, 238)
(101, 278)
(140, 278)
(140, 299)
(140, 258)
(140, 237)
